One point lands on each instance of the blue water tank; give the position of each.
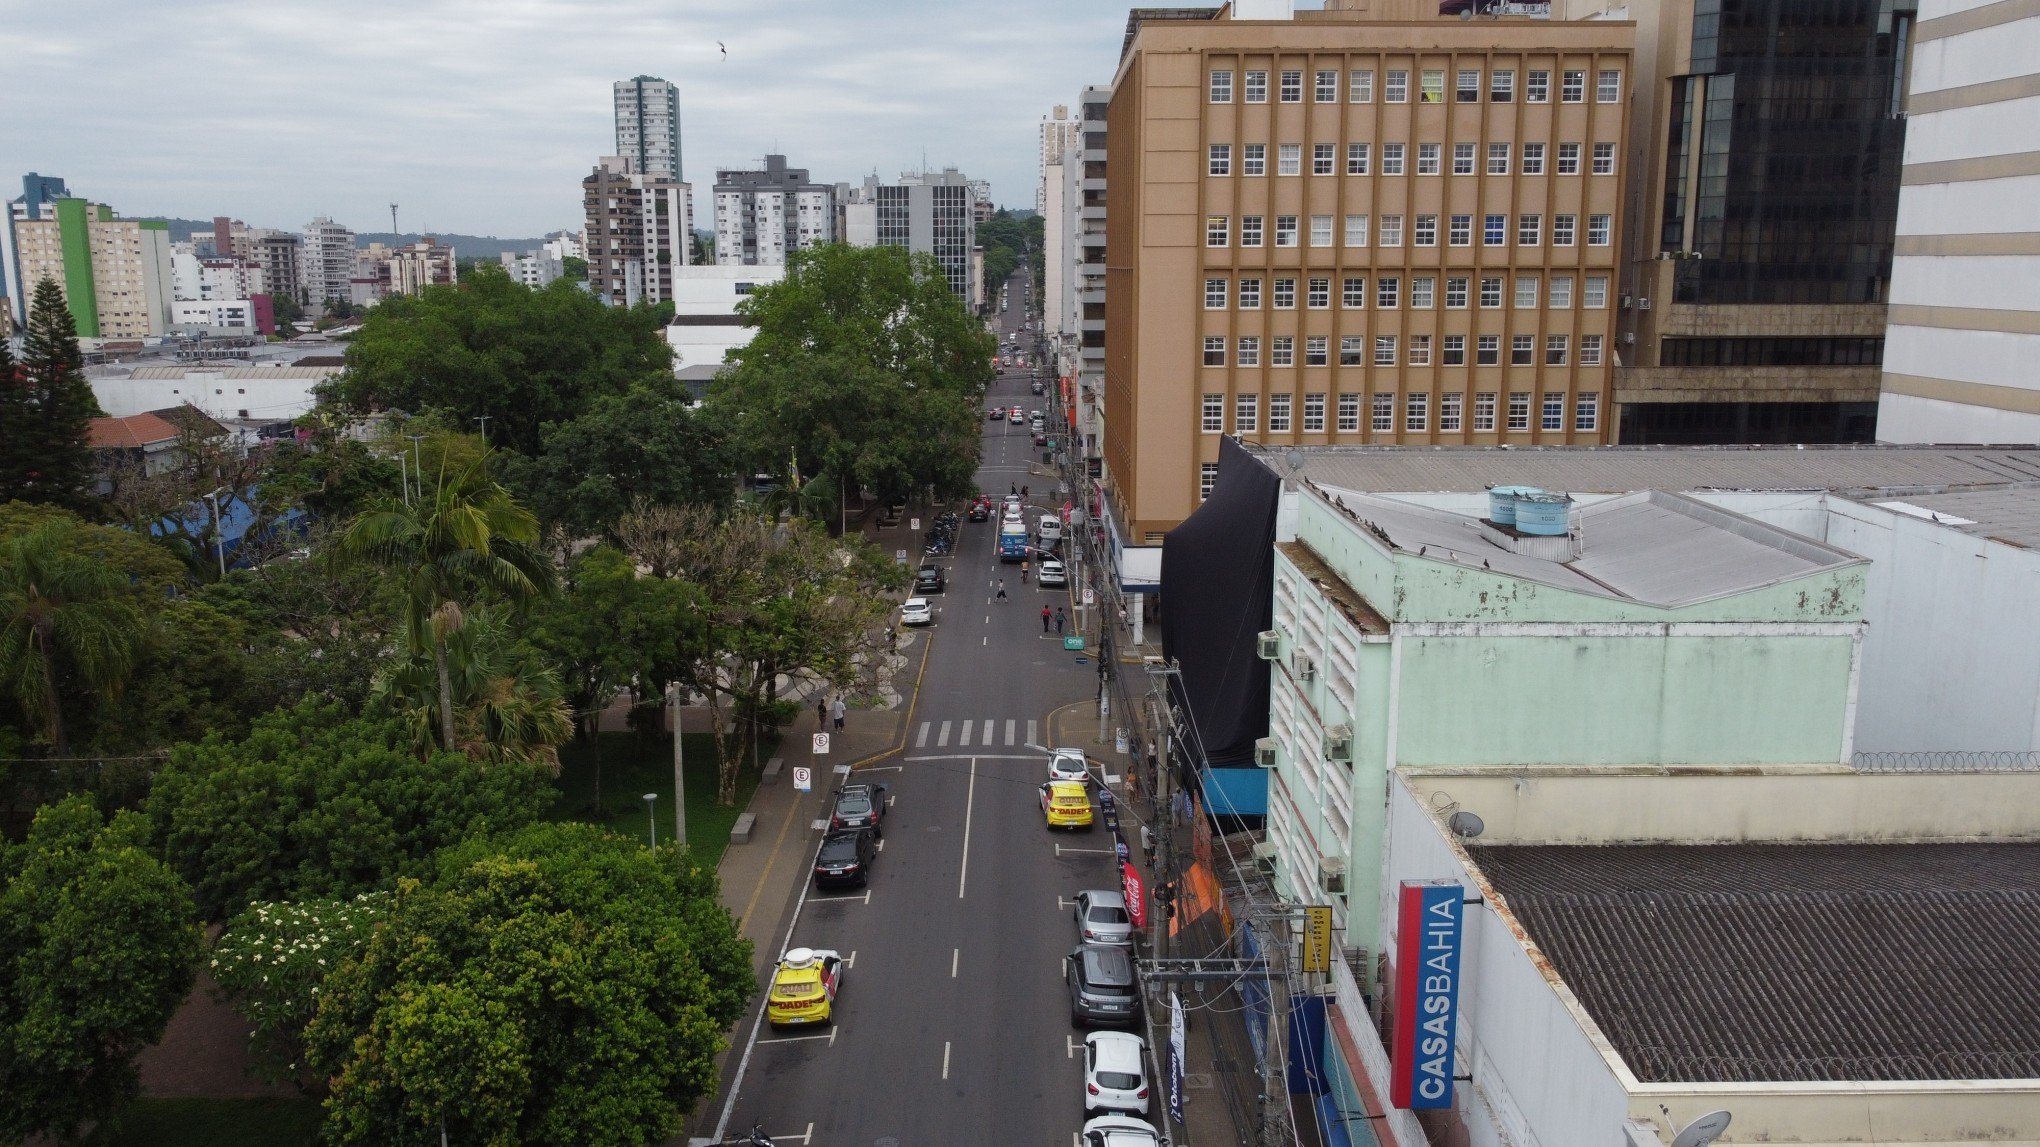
(1501, 502)
(1542, 514)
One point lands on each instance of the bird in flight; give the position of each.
(725, 51)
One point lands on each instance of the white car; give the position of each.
(1119, 1131)
(1115, 1073)
(1012, 514)
(1050, 527)
(1053, 573)
(917, 611)
(1068, 765)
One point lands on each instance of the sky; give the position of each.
(482, 116)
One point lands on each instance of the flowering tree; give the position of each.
(273, 959)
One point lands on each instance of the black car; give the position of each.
(929, 579)
(980, 511)
(1103, 989)
(859, 806)
(1037, 387)
(845, 858)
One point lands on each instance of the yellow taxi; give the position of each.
(804, 986)
(1066, 804)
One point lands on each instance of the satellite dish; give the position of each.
(1469, 825)
(1703, 1130)
(1294, 458)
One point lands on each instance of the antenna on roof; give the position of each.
(393, 223)
(1704, 1130)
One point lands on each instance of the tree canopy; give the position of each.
(647, 443)
(45, 452)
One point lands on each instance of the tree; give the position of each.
(100, 949)
(196, 671)
(508, 704)
(313, 803)
(647, 443)
(53, 434)
(17, 453)
(574, 269)
(613, 628)
(864, 366)
(69, 627)
(463, 536)
(272, 961)
(561, 986)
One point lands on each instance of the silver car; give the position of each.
(1102, 918)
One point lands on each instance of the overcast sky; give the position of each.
(482, 116)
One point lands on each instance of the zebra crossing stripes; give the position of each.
(985, 734)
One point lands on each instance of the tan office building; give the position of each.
(1359, 225)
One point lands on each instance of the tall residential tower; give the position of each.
(761, 216)
(648, 126)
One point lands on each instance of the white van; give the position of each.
(1050, 527)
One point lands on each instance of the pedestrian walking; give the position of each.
(840, 711)
(1023, 491)
(1044, 619)
(1060, 620)
(1012, 489)
(1002, 589)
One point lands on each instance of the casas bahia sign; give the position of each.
(1427, 993)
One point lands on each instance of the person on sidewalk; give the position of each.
(1045, 615)
(822, 711)
(1002, 589)
(840, 710)
(1059, 619)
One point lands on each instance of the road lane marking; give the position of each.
(942, 738)
(1059, 850)
(921, 742)
(969, 799)
(830, 1036)
(945, 1059)
(963, 736)
(850, 961)
(969, 757)
(988, 738)
(1009, 732)
(1062, 902)
(955, 954)
(1070, 1046)
(1031, 738)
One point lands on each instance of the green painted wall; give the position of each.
(74, 232)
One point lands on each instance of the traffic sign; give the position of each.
(1317, 938)
(821, 745)
(803, 778)
(1089, 598)
(1073, 641)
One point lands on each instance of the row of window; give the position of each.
(1395, 86)
(1353, 350)
(1494, 230)
(1430, 159)
(1423, 292)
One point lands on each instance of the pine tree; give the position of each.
(14, 427)
(61, 406)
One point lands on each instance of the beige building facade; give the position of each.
(115, 273)
(1356, 226)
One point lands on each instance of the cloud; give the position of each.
(482, 116)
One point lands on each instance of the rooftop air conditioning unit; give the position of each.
(1339, 742)
(1306, 669)
(1268, 645)
(1264, 858)
(1331, 875)
(1264, 752)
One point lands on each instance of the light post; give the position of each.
(651, 825)
(219, 536)
(679, 781)
(484, 420)
(418, 463)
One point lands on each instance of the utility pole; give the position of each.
(679, 781)
(418, 462)
(393, 223)
(484, 420)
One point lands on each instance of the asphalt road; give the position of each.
(953, 1023)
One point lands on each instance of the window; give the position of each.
(1221, 87)
(1257, 87)
(1327, 87)
(1356, 230)
(1460, 231)
(1519, 410)
(1395, 87)
(1555, 350)
(1537, 87)
(1285, 230)
(1384, 350)
(1391, 231)
(1250, 230)
(1467, 90)
(1352, 352)
(1292, 87)
(1595, 296)
(1278, 413)
(1246, 414)
(1289, 159)
(1529, 230)
(1387, 292)
(1320, 230)
(1454, 351)
(1214, 350)
(1207, 480)
(1427, 158)
(1313, 412)
(1561, 292)
(1590, 355)
(1498, 159)
(1491, 291)
(1598, 227)
(1315, 352)
(1526, 292)
(1533, 159)
(1484, 410)
(1608, 87)
(1522, 350)
(1494, 231)
(1214, 413)
(1392, 158)
(1562, 230)
(1285, 294)
(1215, 231)
(1249, 352)
(1349, 410)
(1572, 88)
(1487, 350)
(1552, 416)
(1318, 294)
(1250, 294)
(1604, 159)
(1420, 350)
(1501, 86)
(1432, 83)
(1586, 412)
(1214, 294)
(1422, 290)
(1462, 159)
(1282, 350)
(1382, 416)
(1324, 158)
(1360, 85)
(1417, 412)
(1254, 159)
(1353, 292)
(1220, 160)
(1568, 159)
(1425, 231)
(1455, 292)
(1356, 158)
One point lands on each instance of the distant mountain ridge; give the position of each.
(466, 246)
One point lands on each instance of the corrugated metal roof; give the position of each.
(175, 373)
(2010, 514)
(1710, 963)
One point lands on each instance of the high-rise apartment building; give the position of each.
(1964, 327)
(1056, 131)
(37, 192)
(275, 251)
(115, 273)
(1349, 226)
(762, 215)
(326, 264)
(927, 212)
(404, 269)
(639, 227)
(648, 126)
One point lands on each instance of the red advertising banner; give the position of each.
(1136, 894)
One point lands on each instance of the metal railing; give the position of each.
(1949, 761)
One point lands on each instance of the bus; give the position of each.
(1013, 542)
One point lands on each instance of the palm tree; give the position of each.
(64, 618)
(508, 705)
(462, 537)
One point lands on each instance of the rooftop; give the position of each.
(1792, 962)
(131, 433)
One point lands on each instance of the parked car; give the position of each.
(1053, 573)
(804, 987)
(979, 511)
(1103, 989)
(1037, 386)
(858, 806)
(1102, 917)
(1115, 1072)
(1066, 804)
(1119, 1131)
(929, 579)
(917, 611)
(1049, 527)
(845, 857)
(1068, 765)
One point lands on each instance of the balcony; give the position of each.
(1091, 214)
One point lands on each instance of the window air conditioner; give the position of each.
(1339, 742)
(1264, 858)
(1305, 668)
(1331, 874)
(1628, 301)
(1269, 645)
(1264, 752)
(1643, 304)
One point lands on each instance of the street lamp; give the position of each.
(219, 537)
(418, 463)
(651, 825)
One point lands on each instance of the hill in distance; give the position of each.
(487, 247)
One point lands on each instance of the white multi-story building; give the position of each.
(1056, 131)
(762, 215)
(229, 315)
(534, 269)
(648, 126)
(38, 193)
(564, 245)
(926, 212)
(197, 277)
(1965, 277)
(640, 230)
(706, 326)
(326, 264)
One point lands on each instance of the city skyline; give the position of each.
(519, 103)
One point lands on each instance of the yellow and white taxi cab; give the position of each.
(804, 986)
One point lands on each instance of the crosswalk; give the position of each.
(965, 734)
